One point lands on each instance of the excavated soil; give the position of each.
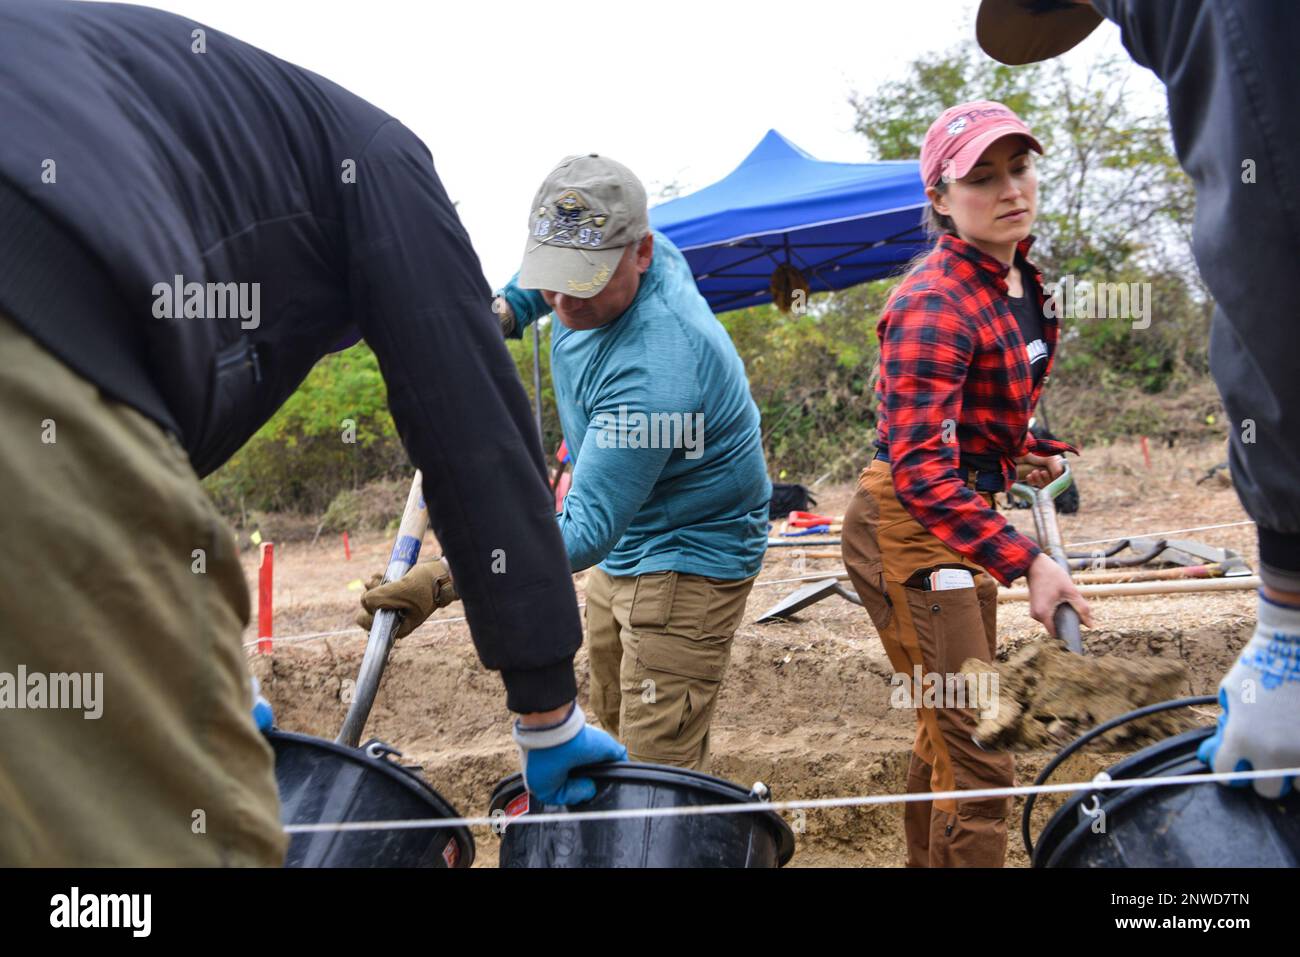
(806, 704)
(1047, 696)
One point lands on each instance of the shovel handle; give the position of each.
(1066, 620)
(1051, 490)
(1043, 502)
(415, 520)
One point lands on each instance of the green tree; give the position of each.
(333, 432)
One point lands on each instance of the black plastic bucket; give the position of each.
(1178, 825)
(320, 781)
(754, 839)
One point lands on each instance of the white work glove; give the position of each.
(1259, 727)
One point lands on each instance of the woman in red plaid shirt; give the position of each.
(965, 345)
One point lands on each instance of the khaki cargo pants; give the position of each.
(114, 563)
(658, 646)
(883, 546)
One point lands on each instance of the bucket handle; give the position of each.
(1087, 736)
(378, 749)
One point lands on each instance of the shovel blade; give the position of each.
(800, 599)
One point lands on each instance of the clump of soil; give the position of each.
(1048, 696)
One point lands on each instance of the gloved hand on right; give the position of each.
(548, 755)
(1259, 727)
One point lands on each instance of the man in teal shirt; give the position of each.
(670, 491)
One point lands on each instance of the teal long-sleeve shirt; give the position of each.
(668, 470)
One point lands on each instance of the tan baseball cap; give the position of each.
(1026, 31)
(588, 210)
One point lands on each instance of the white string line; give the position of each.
(355, 631)
(1099, 784)
(288, 639)
(1172, 531)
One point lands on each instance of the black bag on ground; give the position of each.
(787, 498)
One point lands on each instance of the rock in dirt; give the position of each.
(1048, 696)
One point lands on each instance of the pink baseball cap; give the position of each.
(957, 139)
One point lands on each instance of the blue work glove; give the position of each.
(1259, 727)
(262, 715)
(549, 753)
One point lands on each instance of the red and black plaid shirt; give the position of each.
(955, 381)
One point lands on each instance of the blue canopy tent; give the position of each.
(839, 224)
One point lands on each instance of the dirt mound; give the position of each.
(805, 706)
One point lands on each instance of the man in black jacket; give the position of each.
(187, 224)
(1231, 71)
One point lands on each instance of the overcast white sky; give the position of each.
(501, 89)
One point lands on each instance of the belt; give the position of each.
(986, 480)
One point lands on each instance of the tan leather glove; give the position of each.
(417, 594)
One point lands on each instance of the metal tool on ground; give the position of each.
(1186, 551)
(1108, 560)
(410, 535)
(1115, 549)
(1047, 695)
(805, 596)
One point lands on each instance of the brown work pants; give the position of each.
(658, 646)
(883, 547)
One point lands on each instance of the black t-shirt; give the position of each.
(1030, 319)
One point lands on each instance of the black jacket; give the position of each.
(135, 150)
(1232, 72)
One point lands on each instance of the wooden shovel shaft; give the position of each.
(415, 521)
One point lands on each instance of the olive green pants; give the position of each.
(119, 582)
(658, 646)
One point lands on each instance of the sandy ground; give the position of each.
(805, 706)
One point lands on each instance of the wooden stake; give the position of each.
(1147, 588)
(1150, 574)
